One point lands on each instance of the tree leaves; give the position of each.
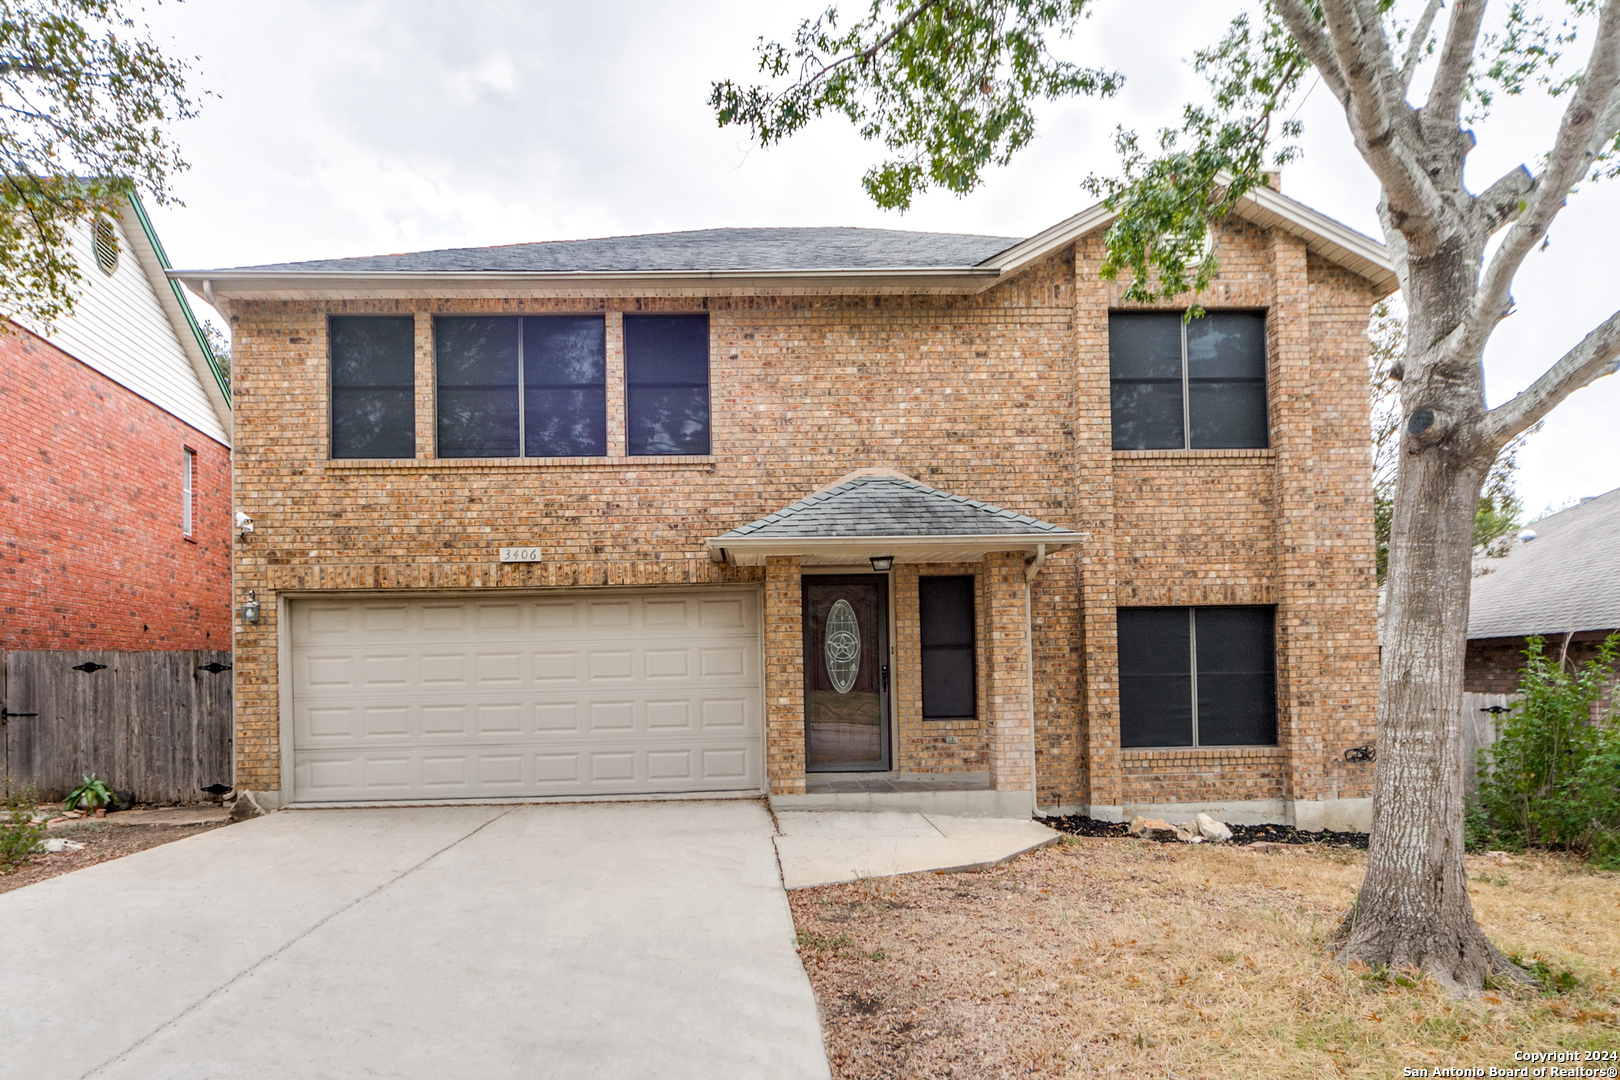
(85, 100)
(948, 86)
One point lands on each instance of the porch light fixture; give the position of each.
(882, 564)
(250, 610)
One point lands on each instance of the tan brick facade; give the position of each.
(1001, 396)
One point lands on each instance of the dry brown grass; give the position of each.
(1120, 957)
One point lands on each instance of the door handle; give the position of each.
(885, 677)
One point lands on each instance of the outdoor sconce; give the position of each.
(250, 610)
(882, 564)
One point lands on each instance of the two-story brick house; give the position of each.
(853, 517)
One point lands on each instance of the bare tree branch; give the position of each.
(1444, 105)
(1597, 355)
(1581, 134)
(1315, 44)
(1382, 123)
(1501, 201)
(1415, 43)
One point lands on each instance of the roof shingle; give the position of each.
(1565, 580)
(698, 250)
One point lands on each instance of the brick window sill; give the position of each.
(453, 464)
(1177, 456)
(1258, 753)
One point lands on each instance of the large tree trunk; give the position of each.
(1413, 909)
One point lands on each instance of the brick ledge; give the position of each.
(1170, 457)
(1259, 753)
(388, 464)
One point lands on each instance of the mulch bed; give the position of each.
(1080, 825)
(101, 842)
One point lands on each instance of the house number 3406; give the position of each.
(520, 554)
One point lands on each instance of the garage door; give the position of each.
(611, 693)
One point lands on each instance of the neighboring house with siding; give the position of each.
(115, 466)
(1559, 581)
(852, 517)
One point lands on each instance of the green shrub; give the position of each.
(91, 794)
(1552, 778)
(19, 836)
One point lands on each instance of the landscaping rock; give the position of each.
(245, 807)
(57, 844)
(1148, 828)
(1212, 830)
(1188, 836)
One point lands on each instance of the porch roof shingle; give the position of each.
(881, 503)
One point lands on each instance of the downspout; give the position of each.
(1033, 568)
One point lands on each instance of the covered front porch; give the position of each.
(898, 645)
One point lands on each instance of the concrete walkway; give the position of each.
(618, 940)
(820, 847)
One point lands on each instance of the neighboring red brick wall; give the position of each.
(93, 555)
(1492, 664)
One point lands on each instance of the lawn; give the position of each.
(1101, 957)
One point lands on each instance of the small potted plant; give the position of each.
(91, 794)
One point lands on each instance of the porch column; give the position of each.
(784, 676)
(1008, 725)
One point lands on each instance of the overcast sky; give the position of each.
(359, 127)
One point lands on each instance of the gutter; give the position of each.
(251, 283)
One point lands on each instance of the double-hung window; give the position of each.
(531, 386)
(1202, 676)
(1194, 385)
(373, 359)
(666, 384)
(945, 617)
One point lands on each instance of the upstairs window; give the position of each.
(666, 384)
(373, 362)
(945, 616)
(534, 386)
(1198, 385)
(1197, 677)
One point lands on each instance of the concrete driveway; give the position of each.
(607, 940)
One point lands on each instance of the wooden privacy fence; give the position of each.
(157, 724)
(1479, 730)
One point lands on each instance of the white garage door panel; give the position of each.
(626, 693)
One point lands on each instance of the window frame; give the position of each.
(972, 649)
(1192, 659)
(332, 389)
(188, 491)
(1186, 379)
(522, 387)
(708, 379)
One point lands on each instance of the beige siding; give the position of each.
(119, 328)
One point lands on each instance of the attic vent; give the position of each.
(106, 243)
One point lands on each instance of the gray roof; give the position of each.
(890, 505)
(702, 249)
(1565, 580)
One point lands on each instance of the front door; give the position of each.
(846, 673)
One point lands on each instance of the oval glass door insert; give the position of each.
(843, 646)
